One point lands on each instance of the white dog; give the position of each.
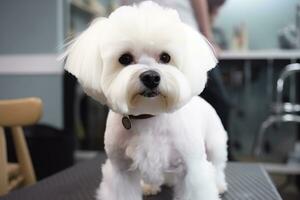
(149, 67)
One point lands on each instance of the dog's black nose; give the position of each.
(150, 79)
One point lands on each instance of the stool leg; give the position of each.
(3, 164)
(256, 147)
(266, 124)
(23, 155)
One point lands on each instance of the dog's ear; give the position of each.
(199, 59)
(200, 51)
(83, 59)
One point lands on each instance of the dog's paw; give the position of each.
(150, 189)
(222, 187)
(221, 181)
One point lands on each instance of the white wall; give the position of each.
(31, 28)
(264, 18)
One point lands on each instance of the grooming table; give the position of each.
(246, 182)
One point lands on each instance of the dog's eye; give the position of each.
(126, 59)
(164, 57)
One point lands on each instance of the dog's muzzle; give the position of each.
(150, 80)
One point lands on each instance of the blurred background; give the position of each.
(257, 40)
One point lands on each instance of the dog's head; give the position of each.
(141, 60)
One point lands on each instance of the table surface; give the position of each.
(246, 182)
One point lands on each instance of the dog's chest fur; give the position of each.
(153, 153)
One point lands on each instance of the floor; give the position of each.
(287, 192)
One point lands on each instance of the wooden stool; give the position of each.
(15, 114)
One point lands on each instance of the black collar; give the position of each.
(126, 120)
(143, 116)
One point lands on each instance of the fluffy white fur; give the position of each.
(184, 145)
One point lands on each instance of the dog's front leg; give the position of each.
(119, 184)
(198, 183)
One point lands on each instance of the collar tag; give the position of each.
(126, 122)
